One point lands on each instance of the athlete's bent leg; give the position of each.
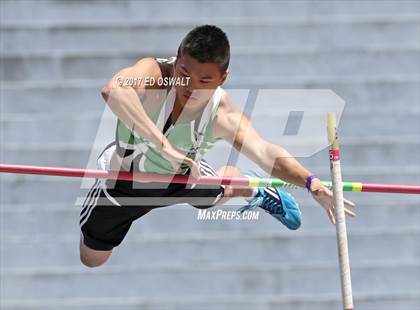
(92, 258)
(232, 191)
(279, 204)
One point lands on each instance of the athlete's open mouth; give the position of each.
(189, 96)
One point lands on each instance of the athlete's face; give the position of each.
(203, 79)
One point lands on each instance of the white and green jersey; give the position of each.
(193, 139)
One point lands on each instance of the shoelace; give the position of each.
(272, 206)
(267, 203)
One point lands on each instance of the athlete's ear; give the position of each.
(224, 76)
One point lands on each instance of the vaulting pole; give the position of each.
(340, 217)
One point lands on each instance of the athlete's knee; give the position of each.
(92, 262)
(232, 191)
(93, 258)
(229, 171)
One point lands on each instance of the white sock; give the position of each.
(254, 193)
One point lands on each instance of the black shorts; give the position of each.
(111, 206)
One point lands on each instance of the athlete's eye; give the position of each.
(183, 74)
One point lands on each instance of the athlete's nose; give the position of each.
(190, 87)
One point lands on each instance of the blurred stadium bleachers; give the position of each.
(56, 55)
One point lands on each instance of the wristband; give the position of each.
(309, 181)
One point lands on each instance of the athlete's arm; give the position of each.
(235, 127)
(124, 101)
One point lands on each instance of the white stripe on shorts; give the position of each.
(84, 216)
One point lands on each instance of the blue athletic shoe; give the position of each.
(280, 204)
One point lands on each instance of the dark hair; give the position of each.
(207, 43)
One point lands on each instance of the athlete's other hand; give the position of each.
(176, 159)
(324, 197)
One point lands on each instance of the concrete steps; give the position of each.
(392, 94)
(393, 210)
(276, 61)
(52, 129)
(356, 151)
(204, 245)
(219, 278)
(135, 10)
(321, 30)
(406, 301)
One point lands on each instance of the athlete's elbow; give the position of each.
(268, 155)
(106, 91)
(261, 151)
